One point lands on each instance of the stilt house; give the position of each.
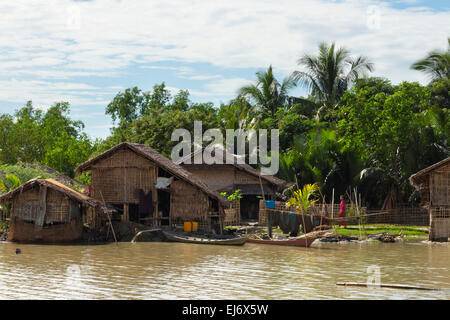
(148, 188)
(45, 210)
(433, 184)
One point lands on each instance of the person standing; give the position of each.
(342, 213)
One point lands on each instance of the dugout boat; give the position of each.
(301, 241)
(202, 239)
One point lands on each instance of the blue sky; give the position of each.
(85, 52)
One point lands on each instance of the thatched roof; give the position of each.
(420, 177)
(55, 185)
(159, 160)
(232, 159)
(54, 173)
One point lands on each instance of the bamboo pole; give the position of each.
(359, 214)
(322, 213)
(109, 218)
(384, 285)
(359, 220)
(269, 226)
(332, 213)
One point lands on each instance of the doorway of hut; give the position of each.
(133, 212)
(249, 206)
(164, 206)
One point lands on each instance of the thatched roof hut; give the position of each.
(433, 184)
(45, 210)
(235, 174)
(149, 188)
(229, 160)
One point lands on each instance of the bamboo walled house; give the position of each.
(147, 188)
(45, 210)
(232, 175)
(433, 184)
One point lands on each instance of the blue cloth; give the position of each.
(270, 204)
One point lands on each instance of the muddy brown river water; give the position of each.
(155, 270)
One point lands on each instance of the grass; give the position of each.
(409, 232)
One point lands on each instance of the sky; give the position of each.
(85, 52)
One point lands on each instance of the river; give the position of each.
(159, 270)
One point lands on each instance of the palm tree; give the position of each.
(436, 64)
(268, 94)
(328, 74)
(238, 114)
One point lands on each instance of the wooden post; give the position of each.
(322, 211)
(126, 212)
(332, 212)
(109, 218)
(359, 216)
(269, 226)
(39, 223)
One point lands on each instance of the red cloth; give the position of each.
(342, 222)
(343, 206)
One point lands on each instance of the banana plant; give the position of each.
(304, 198)
(9, 182)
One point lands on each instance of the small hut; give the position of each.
(45, 210)
(433, 184)
(148, 188)
(233, 174)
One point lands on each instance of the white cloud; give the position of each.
(62, 39)
(45, 93)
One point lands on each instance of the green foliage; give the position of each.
(393, 129)
(236, 195)
(436, 64)
(50, 138)
(160, 115)
(329, 73)
(23, 173)
(9, 182)
(85, 178)
(267, 95)
(304, 198)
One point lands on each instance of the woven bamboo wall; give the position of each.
(187, 203)
(58, 206)
(217, 178)
(25, 205)
(439, 223)
(440, 186)
(233, 215)
(118, 177)
(242, 177)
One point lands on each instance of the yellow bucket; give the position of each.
(187, 227)
(194, 226)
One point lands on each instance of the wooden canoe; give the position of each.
(236, 241)
(301, 241)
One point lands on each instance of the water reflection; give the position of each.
(188, 271)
